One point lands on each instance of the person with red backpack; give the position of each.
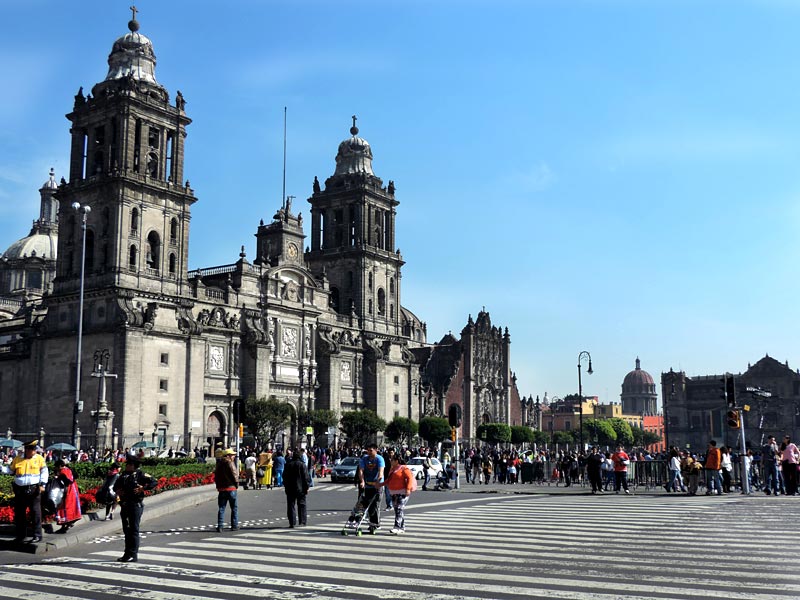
(401, 483)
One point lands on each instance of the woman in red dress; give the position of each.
(69, 511)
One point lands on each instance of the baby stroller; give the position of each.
(442, 481)
(360, 514)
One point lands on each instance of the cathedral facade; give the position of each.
(318, 322)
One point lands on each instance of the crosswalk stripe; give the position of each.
(513, 547)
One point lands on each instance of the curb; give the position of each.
(92, 526)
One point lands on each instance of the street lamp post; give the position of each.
(582, 356)
(84, 211)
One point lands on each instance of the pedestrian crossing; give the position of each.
(561, 547)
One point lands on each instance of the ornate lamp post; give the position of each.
(581, 357)
(84, 211)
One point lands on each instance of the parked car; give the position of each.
(345, 470)
(415, 464)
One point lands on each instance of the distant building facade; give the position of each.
(695, 411)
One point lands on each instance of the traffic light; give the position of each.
(238, 410)
(730, 391)
(733, 419)
(241, 431)
(454, 415)
(453, 434)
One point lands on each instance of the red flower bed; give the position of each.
(89, 497)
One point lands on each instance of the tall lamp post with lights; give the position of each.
(84, 211)
(581, 357)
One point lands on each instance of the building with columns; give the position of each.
(319, 324)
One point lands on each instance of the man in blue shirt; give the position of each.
(370, 472)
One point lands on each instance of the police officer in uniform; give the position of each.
(30, 476)
(130, 488)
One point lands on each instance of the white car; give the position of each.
(415, 464)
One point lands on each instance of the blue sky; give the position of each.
(613, 176)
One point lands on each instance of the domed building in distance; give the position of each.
(639, 396)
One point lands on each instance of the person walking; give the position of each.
(712, 466)
(769, 465)
(726, 465)
(674, 468)
(789, 461)
(370, 476)
(106, 495)
(264, 472)
(400, 483)
(296, 484)
(426, 470)
(30, 476)
(621, 461)
(130, 488)
(226, 477)
(594, 463)
(69, 511)
(250, 470)
(279, 462)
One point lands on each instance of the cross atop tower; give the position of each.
(354, 129)
(134, 10)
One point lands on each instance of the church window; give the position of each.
(339, 233)
(106, 219)
(89, 266)
(162, 410)
(84, 153)
(397, 398)
(391, 311)
(164, 359)
(172, 264)
(323, 218)
(370, 306)
(396, 379)
(350, 279)
(369, 281)
(352, 226)
(168, 155)
(112, 151)
(173, 231)
(135, 221)
(334, 300)
(137, 143)
(153, 250)
(152, 165)
(99, 145)
(391, 286)
(163, 385)
(381, 302)
(153, 138)
(132, 258)
(35, 279)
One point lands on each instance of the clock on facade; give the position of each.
(292, 251)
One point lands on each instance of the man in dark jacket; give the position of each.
(226, 476)
(130, 487)
(295, 482)
(593, 464)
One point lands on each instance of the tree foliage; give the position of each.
(563, 437)
(601, 430)
(541, 438)
(434, 430)
(321, 419)
(360, 426)
(623, 431)
(521, 434)
(494, 433)
(642, 438)
(401, 430)
(266, 417)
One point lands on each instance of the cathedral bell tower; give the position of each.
(126, 164)
(353, 240)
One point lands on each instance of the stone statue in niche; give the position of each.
(316, 183)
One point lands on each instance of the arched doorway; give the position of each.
(215, 429)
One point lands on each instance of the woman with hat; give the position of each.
(30, 476)
(69, 511)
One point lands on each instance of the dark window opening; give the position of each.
(135, 220)
(152, 165)
(137, 144)
(153, 250)
(153, 138)
(132, 258)
(173, 231)
(172, 264)
(168, 155)
(381, 302)
(334, 299)
(89, 266)
(391, 285)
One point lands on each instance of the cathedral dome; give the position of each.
(41, 244)
(354, 155)
(637, 379)
(132, 56)
(50, 184)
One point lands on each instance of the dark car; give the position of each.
(345, 470)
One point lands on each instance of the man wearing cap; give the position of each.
(130, 488)
(226, 476)
(30, 476)
(370, 475)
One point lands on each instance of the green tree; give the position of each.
(401, 430)
(623, 431)
(563, 437)
(266, 417)
(494, 433)
(540, 438)
(321, 419)
(360, 426)
(643, 439)
(600, 430)
(521, 434)
(434, 430)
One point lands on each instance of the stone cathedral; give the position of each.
(316, 322)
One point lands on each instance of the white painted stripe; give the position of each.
(425, 576)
